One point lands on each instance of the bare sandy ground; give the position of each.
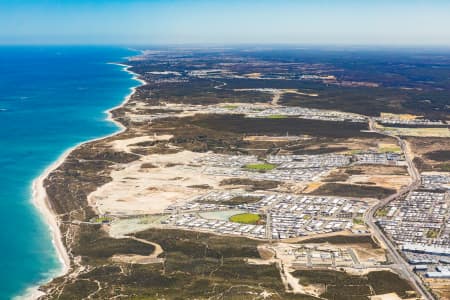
(442, 132)
(387, 181)
(124, 226)
(134, 190)
(390, 296)
(440, 287)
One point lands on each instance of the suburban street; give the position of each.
(397, 259)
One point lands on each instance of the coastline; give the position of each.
(42, 204)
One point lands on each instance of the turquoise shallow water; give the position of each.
(51, 98)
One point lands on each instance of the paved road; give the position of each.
(401, 265)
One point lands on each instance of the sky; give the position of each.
(133, 22)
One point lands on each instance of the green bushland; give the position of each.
(95, 243)
(353, 190)
(197, 244)
(320, 150)
(79, 289)
(341, 285)
(238, 200)
(239, 124)
(343, 239)
(197, 266)
(381, 212)
(438, 155)
(246, 218)
(200, 91)
(252, 184)
(387, 97)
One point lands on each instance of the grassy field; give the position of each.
(432, 233)
(101, 219)
(230, 106)
(381, 212)
(260, 167)
(246, 218)
(358, 221)
(277, 117)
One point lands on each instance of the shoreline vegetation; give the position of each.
(44, 207)
(169, 129)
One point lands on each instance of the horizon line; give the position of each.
(240, 44)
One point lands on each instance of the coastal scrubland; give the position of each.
(340, 285)
(198, 265)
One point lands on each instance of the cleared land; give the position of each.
(441, 132)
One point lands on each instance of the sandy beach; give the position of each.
(40, 198)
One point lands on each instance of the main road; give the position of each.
(401, 265)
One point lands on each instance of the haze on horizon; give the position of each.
(382, 22)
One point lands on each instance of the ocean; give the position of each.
(51, 98)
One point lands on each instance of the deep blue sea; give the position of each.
(51, 98)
